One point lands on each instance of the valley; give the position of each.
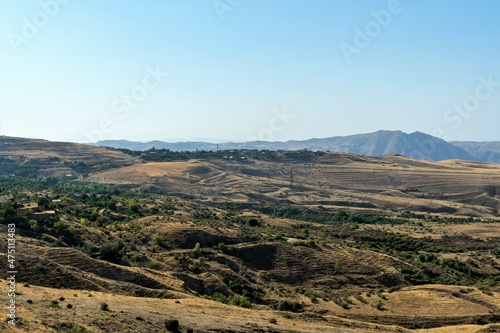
(249, 241)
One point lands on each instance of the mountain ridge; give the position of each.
(416, 145)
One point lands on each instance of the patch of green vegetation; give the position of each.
(166, 155)
(241, 301)
(288, 306)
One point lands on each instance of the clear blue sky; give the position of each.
(231, 68)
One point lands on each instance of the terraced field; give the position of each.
(335, 243)
(369, 184)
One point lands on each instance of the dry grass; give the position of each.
(385, 185)
(203, 315)
(198, 314)
(484, 231)
(363, 184)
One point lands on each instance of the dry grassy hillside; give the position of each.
(332, 242)
(141, 299)
(366, 184)
(130, 314)
(50, 157)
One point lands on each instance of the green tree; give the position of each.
(43, 203)
(196, 248)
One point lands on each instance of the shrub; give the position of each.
(361, 299)
(112, 252)
(104, 306)
(33, 225)
(69, 306)
(158, 240)
(192, 267)
(338, 265)
(486, 291)
(60, 226)
(382, 296)
(171, 324)
(289, 306)
(239, 301)
(252, 222)
(273, 321)
(222, 247)
(197, 247)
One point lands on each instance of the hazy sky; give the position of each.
(248, 69)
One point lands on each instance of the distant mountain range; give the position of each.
(416, 145)
(481, 151)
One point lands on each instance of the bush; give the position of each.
(192, 268)
(172, 324)
(222, 247)
(158, 240)
(338, 265)
(239, 301)
(289, 306)
(60, 226)
(252, 222)
(379, 305)
(361, 299)
(273, 321)
(104, 306)
(196, 248)
(112, 252)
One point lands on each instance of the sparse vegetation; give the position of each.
(379, 305)
(274, 249)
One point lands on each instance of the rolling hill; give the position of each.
(416, 145)
(18, 155)
(244, 241)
